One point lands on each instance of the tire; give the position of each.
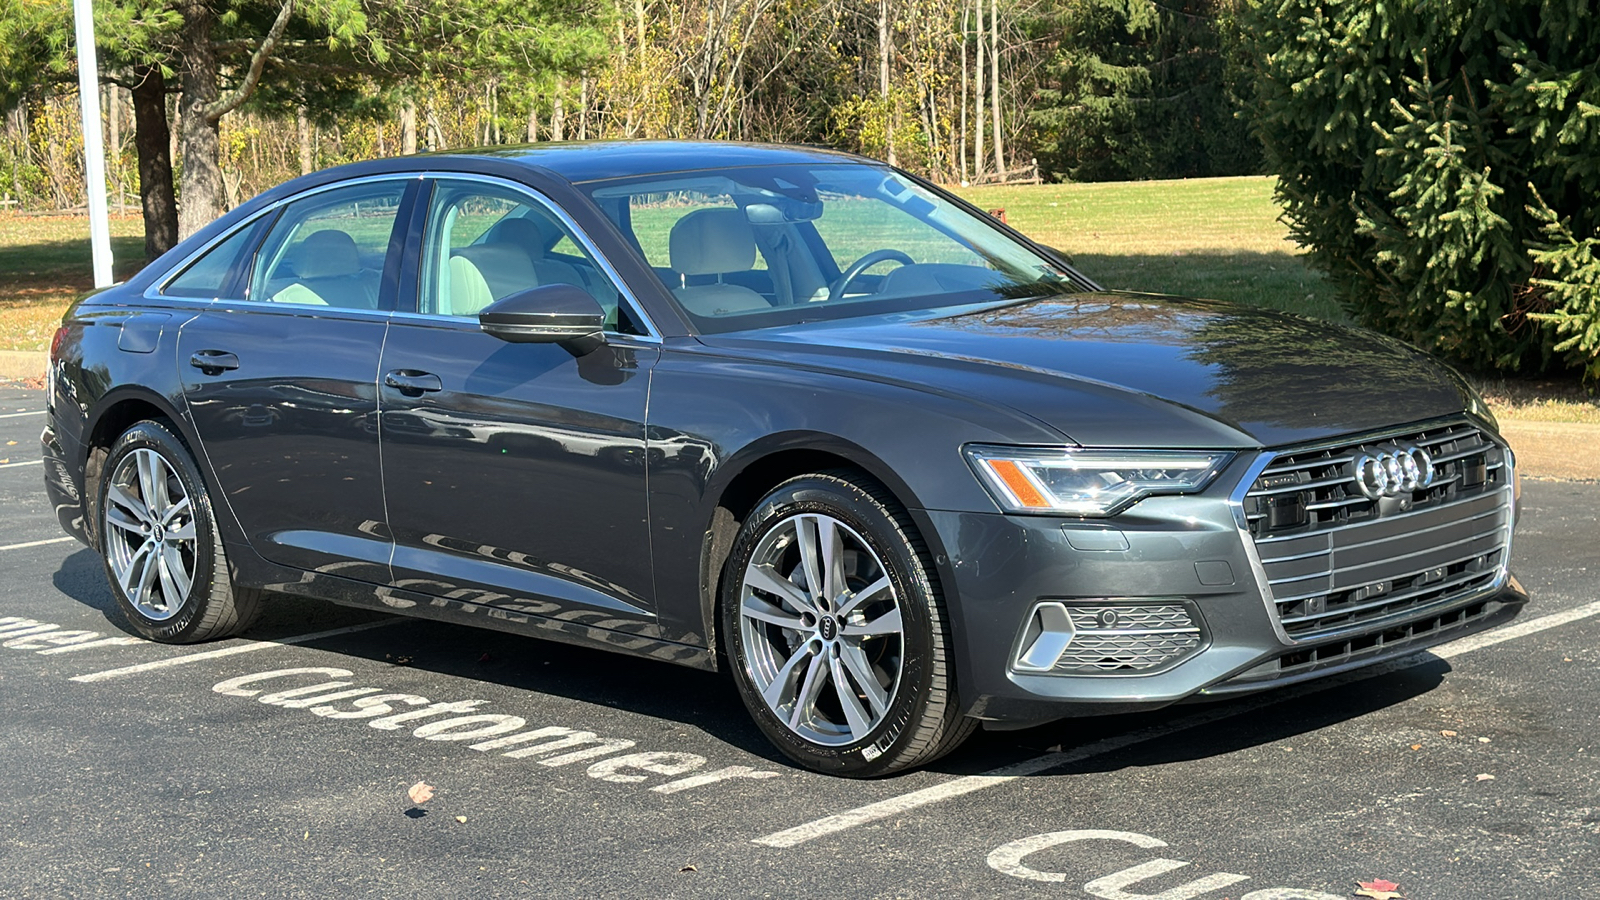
(159, 541)
(854, 679)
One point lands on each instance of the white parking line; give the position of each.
(59, 540)
(247, 647)
(894, 806)
(32, 412)
(31, 462)
(1512, 632)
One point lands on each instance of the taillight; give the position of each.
(55, 343)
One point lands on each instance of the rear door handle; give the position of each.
(214, 362)
(413, 383)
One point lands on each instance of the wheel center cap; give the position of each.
(828, 628)
(157, 533)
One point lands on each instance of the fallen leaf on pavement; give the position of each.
(1483, 740)
(1448, 733)
(1416, 746)
(1379, 890)
(688, 869)
(421, 792)
(461, 819)
(1486, 777)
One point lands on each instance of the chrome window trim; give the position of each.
(301, 310)
(154, 291)
(624, 293)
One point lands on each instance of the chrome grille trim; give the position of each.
(1317, 545)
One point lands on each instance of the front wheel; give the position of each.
(158, 537)
(836, 631)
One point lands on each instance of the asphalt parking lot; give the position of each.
(246, 768)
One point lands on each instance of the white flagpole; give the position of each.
(94, 148)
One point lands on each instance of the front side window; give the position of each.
(329, 249)
(484, 242)
(770, 245)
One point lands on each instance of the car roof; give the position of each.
(579, 161)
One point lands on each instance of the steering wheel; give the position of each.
(836, 290)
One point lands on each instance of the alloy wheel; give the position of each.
(150, 534)
(820, 626)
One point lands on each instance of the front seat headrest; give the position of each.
(712, 242)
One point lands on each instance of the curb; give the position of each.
(21, 364)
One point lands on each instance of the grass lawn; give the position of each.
(1212, 237)
(45, 263)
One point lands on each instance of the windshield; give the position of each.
(775, 245)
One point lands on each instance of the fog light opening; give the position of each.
(1105, 637)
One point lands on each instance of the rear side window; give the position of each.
(329, 249)
(214, 275)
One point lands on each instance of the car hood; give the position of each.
(1116, 369)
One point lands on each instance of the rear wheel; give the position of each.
(836, 631)
(158, 537)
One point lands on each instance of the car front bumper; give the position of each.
(1190, 553)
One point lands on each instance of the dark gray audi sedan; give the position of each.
(794, 413)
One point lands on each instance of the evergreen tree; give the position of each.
(1441, 160)
(1142, 89)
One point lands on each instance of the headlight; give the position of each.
(1089, 482)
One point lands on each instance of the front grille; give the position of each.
(1337, 560)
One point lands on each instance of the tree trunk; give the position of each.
(201, 187)
(408, 127)
(583, 108)
(302, 126)
(961, 140)
(978, 117)
(883, 77)
(558, 115)
(152, 143)
(994, 84)
(533, 120)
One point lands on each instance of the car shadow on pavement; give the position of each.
(703, 700)
(82, 577)
(709, 702)
(1172, 740)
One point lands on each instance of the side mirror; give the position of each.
(549, 314)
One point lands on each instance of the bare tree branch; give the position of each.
(258, 60)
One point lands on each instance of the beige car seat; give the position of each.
(327, 271)
(484, 273)
(714, 242)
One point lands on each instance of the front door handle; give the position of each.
(413, 383)
(213, 362)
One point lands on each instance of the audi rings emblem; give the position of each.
(1393, 471)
